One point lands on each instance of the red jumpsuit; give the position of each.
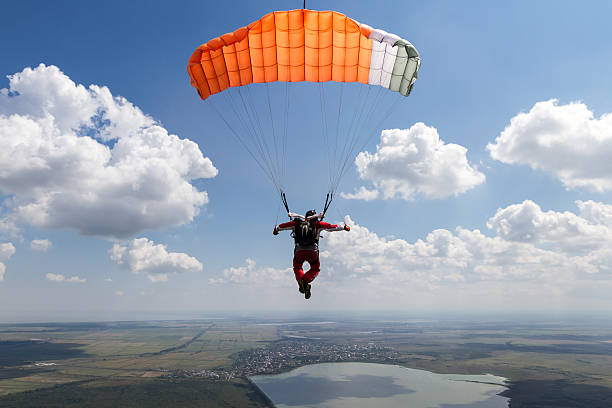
(308, 253)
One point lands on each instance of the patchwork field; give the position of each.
(186, 363)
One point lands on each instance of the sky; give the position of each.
(123, 195)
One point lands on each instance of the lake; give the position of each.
(354, 385)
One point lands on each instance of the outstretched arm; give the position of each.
(284, 226)
(333, 227)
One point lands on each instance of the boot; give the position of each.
(307, 291)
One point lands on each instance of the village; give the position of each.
(286, 355)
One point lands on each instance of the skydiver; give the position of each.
(305, 232)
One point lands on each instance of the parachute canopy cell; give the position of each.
(304, 45)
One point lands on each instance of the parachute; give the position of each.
(302, 46)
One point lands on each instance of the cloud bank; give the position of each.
(542, 249)
(143, 256)
(527, 259)
(415, 161)
(80, 158)
(566, 141)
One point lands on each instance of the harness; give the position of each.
(305, 233)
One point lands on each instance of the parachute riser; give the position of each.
(284, 201)
(328, 201)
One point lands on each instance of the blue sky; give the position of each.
(536, 249)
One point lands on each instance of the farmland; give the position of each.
(154, 363)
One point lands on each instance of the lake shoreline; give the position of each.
(261, 393)
(338, 383)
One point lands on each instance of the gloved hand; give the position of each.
(347, 228)
(275, 232)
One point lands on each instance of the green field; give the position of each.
(549, 364)
(139, 393)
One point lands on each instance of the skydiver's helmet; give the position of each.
(310, 213)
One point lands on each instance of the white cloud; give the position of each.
(526, 222)
(414, 161)
(56, 277)
(41, 245)
(596, 213)
(142, 255)
(542, 249)
(530, 258)
(158, 277)
(253, 275)
(8, 228)
(566, 141)
(6, 251)
(81, 158)
(108, 279)
(361, 194)
(119, 293)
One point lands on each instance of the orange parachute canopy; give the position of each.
(304, 45)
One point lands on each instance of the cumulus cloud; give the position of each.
(596, 213)
(527, 258)
(567, 141)
(253, 275)
(526, 222)
(8, 228)
(80, 158)
(442, 256)
(56, 277)
(415, 161)
(6, 251)
(143, 256)
(361, 194)
(528, 245)
(41, 245)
